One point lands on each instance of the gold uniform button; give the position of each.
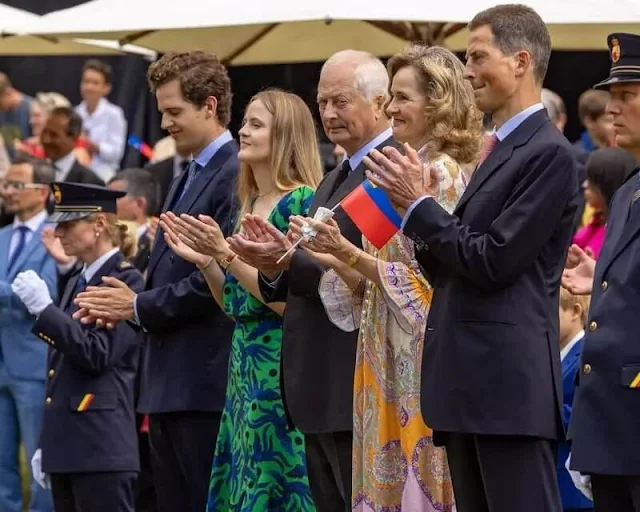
(586, 369)
(593, 326)
(48, 400)
(604, 286)
(51, 373)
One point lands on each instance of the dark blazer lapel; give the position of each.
(105, 269)
(502, 152)
(204, 177)
(624, 231)
(69, 289)
(190, 196)
(355, 178)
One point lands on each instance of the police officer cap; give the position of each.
(73, 201)
(624, 50)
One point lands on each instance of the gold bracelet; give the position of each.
(226, 262)
(204, 267)
(354, 258)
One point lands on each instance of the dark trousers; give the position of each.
(93, 492)
(329, 459)
(502, 473)
(182, 448)
(616, 493)
(145, 490)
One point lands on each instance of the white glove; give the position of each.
(32, 291)
(36, 469)
(582, 482)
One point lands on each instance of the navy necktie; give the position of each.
(81, 284)
(22, 241)
(191, 175)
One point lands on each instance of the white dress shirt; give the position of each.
(567, 348)
(63, 166)
(32, 225)
(90, 271)
(107, 128)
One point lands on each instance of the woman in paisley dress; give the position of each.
(396, 466)
(259, 463)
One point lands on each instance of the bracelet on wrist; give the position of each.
(227, 261)
(206, 265)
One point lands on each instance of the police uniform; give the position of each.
(605, 423)
(89, 440)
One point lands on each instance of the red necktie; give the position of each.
(489, 143)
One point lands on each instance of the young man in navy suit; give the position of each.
(184, 376)
(573, 316)
(491, 379)
(605, 424)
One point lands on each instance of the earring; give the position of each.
(97, 234)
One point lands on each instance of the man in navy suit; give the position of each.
(23, 357)
(605, 425)
(573, 315)
(491, 379)
(188, 337)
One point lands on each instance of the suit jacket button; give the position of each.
(604, 286)
(48, 400)
(171, 258)
(51, 373)
(593, 326)
(586, 369)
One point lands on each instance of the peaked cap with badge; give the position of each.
(624, 50)
(73, 201)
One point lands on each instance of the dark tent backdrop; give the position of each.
(569, 74)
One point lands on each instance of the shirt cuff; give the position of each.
(411, 208)
(136, 318)
(265, 280)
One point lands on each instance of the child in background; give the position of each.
(607, 169)
(573, 315)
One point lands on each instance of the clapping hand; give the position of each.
(261, 245)
(202, 235)
(402, 177)
(176, 244)
(579, 271)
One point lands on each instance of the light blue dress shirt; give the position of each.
(502, 133)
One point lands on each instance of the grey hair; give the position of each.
(370, 75)
(554, 104)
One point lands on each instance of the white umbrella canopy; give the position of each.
(14, 41)
(278, 31)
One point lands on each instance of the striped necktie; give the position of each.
(489, 145)
(191, 175)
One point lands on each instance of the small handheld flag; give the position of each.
(372, 212)
(143, 147)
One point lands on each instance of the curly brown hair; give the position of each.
(453, 121)
(200, 74)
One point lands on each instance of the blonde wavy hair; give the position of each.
(453, 121)
(121, 233)
(295, 155)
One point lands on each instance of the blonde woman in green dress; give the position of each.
(259, 463)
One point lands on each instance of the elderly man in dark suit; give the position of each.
(318, 358)
(59, 137)
(189, 337)
(491, 379)
(606, 410)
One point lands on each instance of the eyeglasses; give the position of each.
(19, 186)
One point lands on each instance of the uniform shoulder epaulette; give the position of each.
(125, 265)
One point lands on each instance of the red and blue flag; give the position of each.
(372, 212)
